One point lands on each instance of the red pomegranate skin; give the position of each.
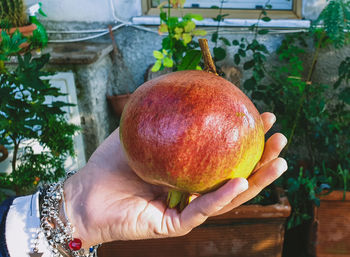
(191, 131)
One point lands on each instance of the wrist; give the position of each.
(57, 226)
(73, 208)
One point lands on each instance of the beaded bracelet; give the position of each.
(59, 234)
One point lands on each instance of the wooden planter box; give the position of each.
(247, 231)
(330, 236)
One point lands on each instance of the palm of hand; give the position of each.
(114, 204)
(118, 204)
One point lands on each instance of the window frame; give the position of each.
(295, 13)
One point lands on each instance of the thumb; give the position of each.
(206, 205)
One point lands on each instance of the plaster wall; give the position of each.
(89, 10)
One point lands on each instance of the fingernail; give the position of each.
(283, 165)
(285, 141)
(243, 185)
(274, 118)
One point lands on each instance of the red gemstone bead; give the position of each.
(75, 244)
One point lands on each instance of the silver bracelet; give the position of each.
(59, 233)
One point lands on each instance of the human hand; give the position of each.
(107, 201)
(268, 169)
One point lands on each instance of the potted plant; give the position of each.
(329, 234)
(13, 18)
(314, 116)
(33, 131)
(179, 49)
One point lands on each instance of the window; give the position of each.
(240, 9)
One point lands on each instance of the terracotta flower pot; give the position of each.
(4, 153)
(247, 231)
(25, 30)
(330, 236)
(118, 102)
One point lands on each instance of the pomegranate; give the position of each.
(191, 131)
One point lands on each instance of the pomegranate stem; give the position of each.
(208, 60)
(177, 199)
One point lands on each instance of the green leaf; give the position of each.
(214, 37)
(335, 21)
(163, 16)
(241, 52)
(172, 22)
(199, 32)
(166, 43)
(41, 61)
(197, 17)
(190, 16)
(249, 84)
(225, 40)
(262, 48)
(263, 31)
(156, 66)
(177, 36)
(190, 25)
(237, 59)
(257, 95)
(249, 64)
(163, 28)
(345, 95)
(266, 19)
(235, 42)
(60, 104)
(220, 17)
(187, 38)
(158, 55)
(191, 60)
(219, 53)
(262, 87)
(178, 30)
(168, 62)
(10, 44)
